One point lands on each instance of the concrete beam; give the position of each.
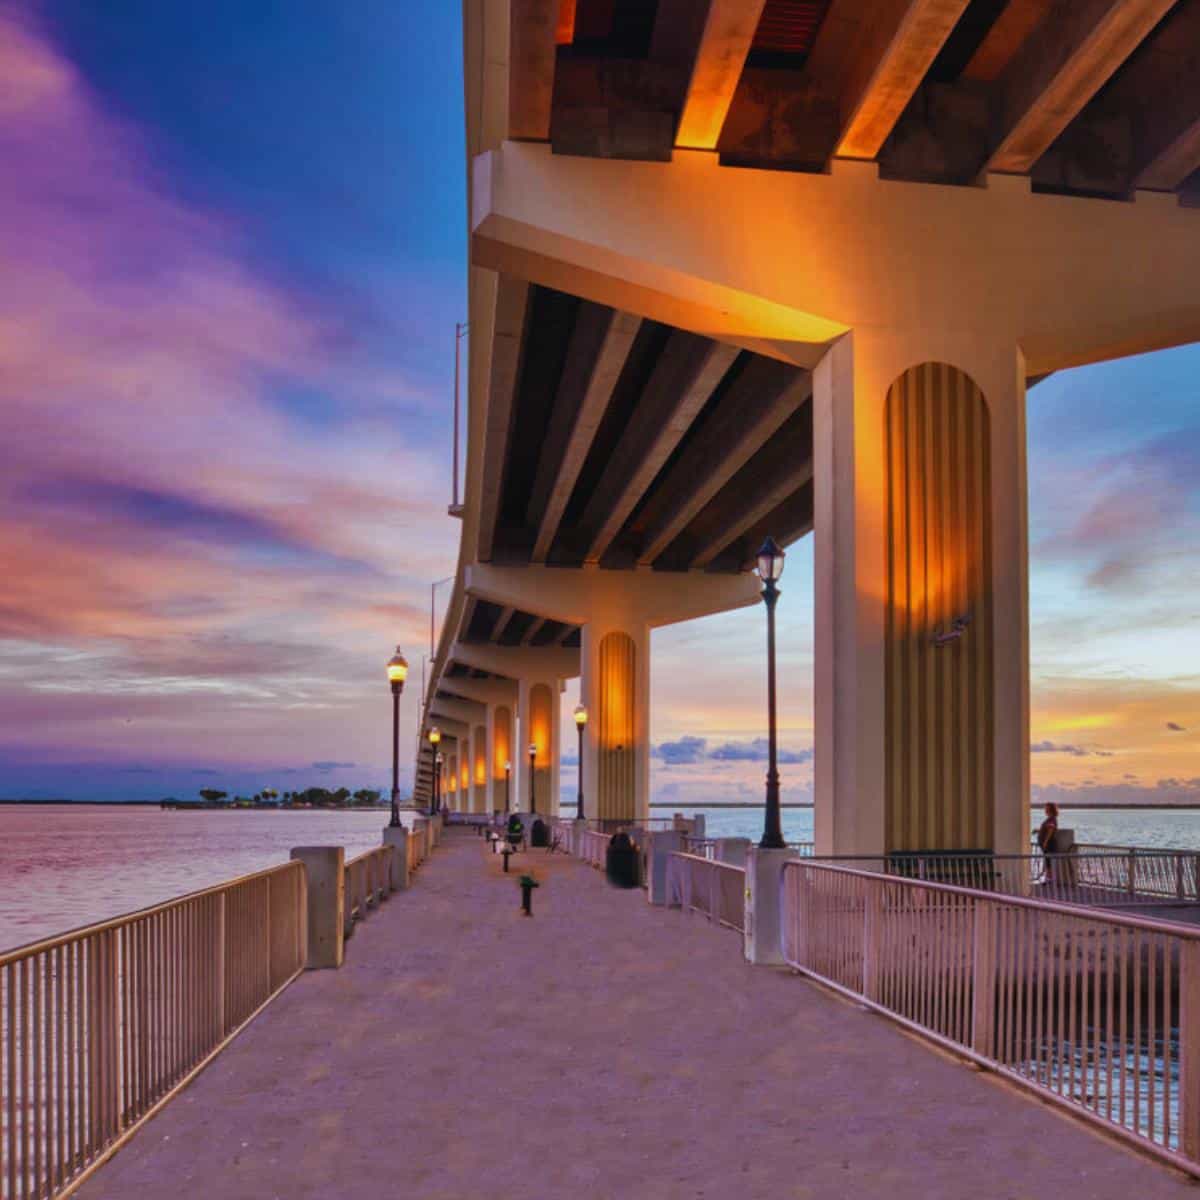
(871, 59)
(501, 622)
(1062, 65)
(1172, 166)
(761, 400)
(862, 252)
(465, 711)
(482, 691)
(728, 33)
(684, 379)
(602, 339)
(782, 469)
(512, 300)
(517, 662)
(533, 25)
(535, 627)
(586, 594)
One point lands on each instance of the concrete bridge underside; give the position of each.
(747, 267)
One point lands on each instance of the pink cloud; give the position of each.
(174, 545)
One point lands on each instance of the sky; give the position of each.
(234, 244)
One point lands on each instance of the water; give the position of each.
(1155, 828)
(62, 866)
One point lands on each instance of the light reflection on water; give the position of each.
(62, 866)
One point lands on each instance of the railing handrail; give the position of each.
(711, 862)
(1077, 912)
(61, 939)
(374, 852)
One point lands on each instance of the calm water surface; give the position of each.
(62, 866)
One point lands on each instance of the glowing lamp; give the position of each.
(397, 671)
(435, 736)
(581, 716)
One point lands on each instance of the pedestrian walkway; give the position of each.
(603, 1048)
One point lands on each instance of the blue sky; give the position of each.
(236, 239)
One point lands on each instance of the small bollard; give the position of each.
(495, 840)
(507, 852)
(528, 883)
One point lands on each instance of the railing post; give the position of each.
(661, 845)
(1189, 1048)
(397, 838)
(764, 872)
(1179, 891)
(325, 870)
(1131, 885)
(983, 976)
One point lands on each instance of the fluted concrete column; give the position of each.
(538, 709)
(503, 750)
(615, 688)
(480, 777)
(922, 730)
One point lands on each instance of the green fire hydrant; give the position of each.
(528, 883)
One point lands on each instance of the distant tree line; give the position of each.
(314, 797)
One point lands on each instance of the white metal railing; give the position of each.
(1112, 879)
(704, 885)
(593, 845)
(368, 881)
(99, 1026)
(1098, 1011)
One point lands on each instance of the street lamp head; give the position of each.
(397, 671)
(507, 765)
(435, 736)
(770, 561)
(439, 758)
(533, 749)
(581, 716)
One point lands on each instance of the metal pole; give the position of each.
(507, 783)
(579, 812)
(457, 342)
(772, 838)
(395, 821)
(532, 768)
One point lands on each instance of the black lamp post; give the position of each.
(397, 671)
(507, 783)
(438, 761)
(581, 716)
(770, 568)
(532, 767)
(435, 738)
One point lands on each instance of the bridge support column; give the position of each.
(922, 657)
(480, 776)
(615, 687)
(538, 705)
(503, 750)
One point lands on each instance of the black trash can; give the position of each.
(621, 863)
(539, 835)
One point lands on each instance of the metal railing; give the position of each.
(703, 885)
(368, 882)
(98, 1027)
(1109, 879)
(1099, 1012)
(592, 847)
